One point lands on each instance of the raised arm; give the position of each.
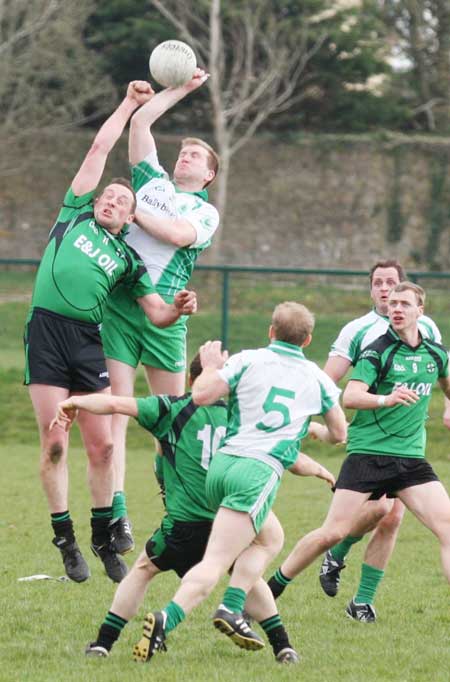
(91, 170)
(209, 385)
(140, 141)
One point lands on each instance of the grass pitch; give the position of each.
(46, 625)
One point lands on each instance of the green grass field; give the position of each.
(46, 624)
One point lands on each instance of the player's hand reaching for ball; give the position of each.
(200, 76)
(186, 302)
(140, 91)
(66, 413)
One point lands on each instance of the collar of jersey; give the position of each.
(394, 334)
(202, 193)
(383, 317)
(286, 349)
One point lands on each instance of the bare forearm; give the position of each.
(305, 466)
(113, 127)
(101, 403)
(169, 230)
(158, 105)
(208, 387)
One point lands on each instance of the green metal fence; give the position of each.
(227, 272)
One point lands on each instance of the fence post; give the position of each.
(225, 307)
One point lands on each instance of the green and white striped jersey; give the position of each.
(274, 392)
(359, 333)
(169, 267)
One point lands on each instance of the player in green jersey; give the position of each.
(390, 388)
(174, 224)
(86, 257)
(273, 392)
(384, 515)
(189, 436)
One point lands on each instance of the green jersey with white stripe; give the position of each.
(274, 392)
(82, 264)
(189, 437)
(384, 365)
(169, 267)
(362, 331)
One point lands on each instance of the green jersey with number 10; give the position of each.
(274, 392)
(189, 436)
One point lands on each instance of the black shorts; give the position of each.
(64, 352)
(180, 548)
(383, 474)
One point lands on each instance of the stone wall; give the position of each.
(319, 202)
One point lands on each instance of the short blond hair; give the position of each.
(213, 157)
(292, 322)
(410, 286)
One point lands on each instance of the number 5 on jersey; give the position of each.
(276, 402)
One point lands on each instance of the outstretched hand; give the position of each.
(200, 76)
(66, 413)
(140, 91)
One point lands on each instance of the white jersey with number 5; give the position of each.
(273, 393)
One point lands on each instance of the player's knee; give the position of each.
(100, 453)
(382, 508)
(53, 452)
(390, 523)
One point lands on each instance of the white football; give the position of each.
(172, 63)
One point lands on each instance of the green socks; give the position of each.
(175, 616)
(234, 599)
(370, 579)
(119, 505)
(341, 550)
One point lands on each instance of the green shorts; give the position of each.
(130, 337)
(242, 484)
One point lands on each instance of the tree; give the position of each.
(420, 32)
(261, 56)
(255, 64)
(48, 79)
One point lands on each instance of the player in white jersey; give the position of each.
(272, 392)
(175, 223)
(384, 515)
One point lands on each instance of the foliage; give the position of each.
(47, 76)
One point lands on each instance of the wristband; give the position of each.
(381, 400)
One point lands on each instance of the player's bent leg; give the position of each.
(54, 478)
(127, 600)
(247, 569)
(253, 561)
(430, 503)
(334, 560)
(260, 606)
(122, 378)
(382, 543)
(231, 533)
(344, 510)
